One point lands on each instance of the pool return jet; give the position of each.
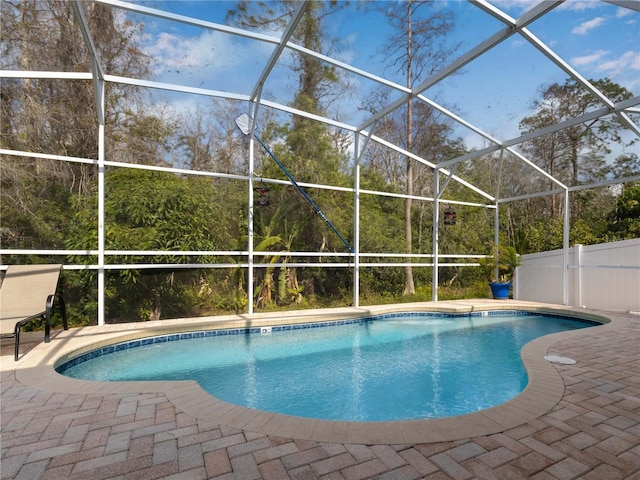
(244, 123)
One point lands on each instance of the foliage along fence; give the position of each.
(601, 277)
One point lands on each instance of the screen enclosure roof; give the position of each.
(502, 54)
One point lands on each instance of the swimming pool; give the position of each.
(388, 367)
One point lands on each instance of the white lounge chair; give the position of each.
(28, 292)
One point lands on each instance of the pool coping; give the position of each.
(544, 390)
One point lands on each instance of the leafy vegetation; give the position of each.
(203, 211)
(500, 265)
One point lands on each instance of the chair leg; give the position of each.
(16, 334)
(47, 318)
(63, 306)
(47, 323)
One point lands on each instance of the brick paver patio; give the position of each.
(593, 432)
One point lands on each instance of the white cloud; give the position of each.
(623, 68)
(584, 27)
(589, 59)
(629, 60)
(173, 52)
(347, 54)
(210, 59)
(579, 5)
(623, 12)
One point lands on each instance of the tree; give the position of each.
(626, 165)
(575, 154)
(227, 154)
(307, 148)
(208, 140)
(148, 210)
(196, 143)
(416, 49)
(55, 116)
(624, 221)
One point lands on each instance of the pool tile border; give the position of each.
(61, 367)
(544, 391)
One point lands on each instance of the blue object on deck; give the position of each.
(500, 291)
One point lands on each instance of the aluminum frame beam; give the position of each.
(293, 23)
(466, 58)
(551, 55)
(283, 43)
(630, 4)
(625, 104)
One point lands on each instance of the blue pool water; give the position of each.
(393, 367)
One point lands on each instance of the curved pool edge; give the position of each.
(543, 392)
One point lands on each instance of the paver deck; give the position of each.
(573, 421)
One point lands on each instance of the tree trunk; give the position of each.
(409, 286)
(157, 307)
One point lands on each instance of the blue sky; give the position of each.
(494, 92)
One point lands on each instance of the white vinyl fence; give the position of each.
(601, 277)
